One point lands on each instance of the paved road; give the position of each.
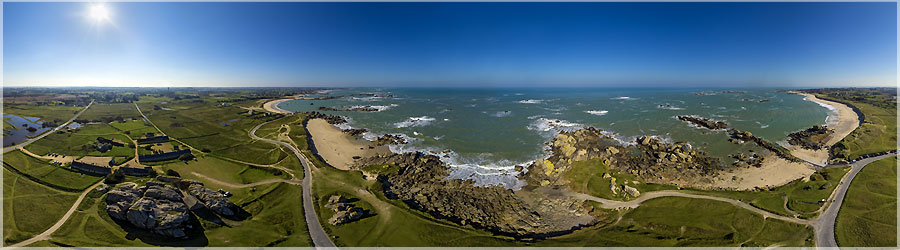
(29, 141)
(824, 224)
(319, 237)
(46, 234)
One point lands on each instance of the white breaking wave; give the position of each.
(531, 101)
(415, 122)
(502, 114)
(597, 112)
(546, 125)
(832, 118)
(502, 173)
(622, 98)
(378, 108)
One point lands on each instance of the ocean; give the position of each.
(484, 133)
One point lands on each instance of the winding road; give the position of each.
(46, 234)
(823, 225)
(316, 232)
(29, 141)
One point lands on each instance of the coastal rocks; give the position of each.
(154, 207)
(355, 131)
(331, 119)
(739, 136)
(389, 139)
(647, 158)
(422, 182)
(812, 138)
(344, 212)
(703, 122)
(631, 191)
(215, 201)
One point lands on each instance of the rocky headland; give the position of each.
(421, 181)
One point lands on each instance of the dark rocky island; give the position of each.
(812, 138)
(703, 122)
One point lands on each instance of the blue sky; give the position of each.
(451, 44)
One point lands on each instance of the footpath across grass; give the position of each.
(29, 208)
(868, 216)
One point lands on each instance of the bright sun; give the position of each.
(99, 13)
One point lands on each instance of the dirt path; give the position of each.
(232, 185)
(46, 234)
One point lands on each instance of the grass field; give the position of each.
(222, 170)
(79, 142)
(134, 128)
(877, 134)
(868, 217)
(29, 208)
(802, 196)
(45, 112)
(107, 112)
(46, 173)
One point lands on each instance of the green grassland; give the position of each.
(200, 124)
(222, 170)
(802, 196)
(47, 174)
(868, 216)
(134, 128)
(878, 133)
(29, 207)
(51, 113)
(79, 142)
(107, 112)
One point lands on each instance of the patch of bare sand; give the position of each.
(846, 122)
(774, 172)
(338, 148)
(96, 160)
(272, 106)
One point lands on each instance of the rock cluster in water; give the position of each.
(740, 136)
(389, 139)
(331, 119)
(344, 211)
(422, 182)
(703, 122)
(812, 138)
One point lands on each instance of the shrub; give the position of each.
(172, 172)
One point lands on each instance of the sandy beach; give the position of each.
(337, 147)
(845, 122)
(272, 106)
(774, 172)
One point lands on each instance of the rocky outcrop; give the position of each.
(331, 119)
(703, 122)
(812, 138)
(344, 211)
(355, 131)
(648, 158)
(154, 207)
(215, 201)
(389, 139)
(740, 136)
(421, 182)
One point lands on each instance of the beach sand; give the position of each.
(847, 121)
(272, 106)
(774, 172)
(339, 148)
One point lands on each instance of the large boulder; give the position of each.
(215, 201)
(155, 207)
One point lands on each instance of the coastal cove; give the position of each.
(464, 130)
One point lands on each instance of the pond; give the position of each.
(22, 131)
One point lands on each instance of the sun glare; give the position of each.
(99, 13)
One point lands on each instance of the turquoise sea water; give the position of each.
(484, 133)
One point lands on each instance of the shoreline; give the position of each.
(846, 121)
(272, 106)
(337, 148)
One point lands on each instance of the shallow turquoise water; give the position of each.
(484, 133)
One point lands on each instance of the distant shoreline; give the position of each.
(272, 106)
